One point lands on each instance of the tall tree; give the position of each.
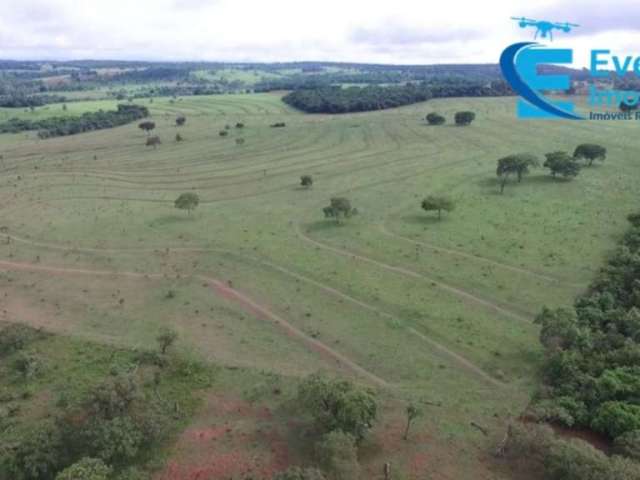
(147, 126)
(339, 207)
(438, 203)
(561, 163)
(590, 152)
(517, 164)
(187, 201)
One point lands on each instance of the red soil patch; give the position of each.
(230, 439)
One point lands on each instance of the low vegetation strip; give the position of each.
(61, 126)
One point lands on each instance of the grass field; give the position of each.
(421, 309)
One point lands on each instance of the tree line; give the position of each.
(61, 126)
(559, 163)
(336, 99)
(20, 100)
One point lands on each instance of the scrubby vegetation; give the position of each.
(591, 370)
(112, 414)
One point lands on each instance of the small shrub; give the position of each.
(337, 456)
(435, 119)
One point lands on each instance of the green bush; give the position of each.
(115, 441)
(616, 418)
(628, 444)
(338, 405)
(337, 456)
(40, 454)
(86, 469)
(15, 337)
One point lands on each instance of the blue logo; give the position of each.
(519, 64)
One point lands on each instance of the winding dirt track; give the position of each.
(513, 268)
(226, 291)
(411, 273)
(445, 352)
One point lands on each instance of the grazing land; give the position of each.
(255, 279)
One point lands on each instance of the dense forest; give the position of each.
(360, 99)
(592, 367)
(60, 126)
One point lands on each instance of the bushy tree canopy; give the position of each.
(464, 118)
(561, 163)
(338, 404)
(435, 119)
(86, 469)
(187, 201)
(590, 152)
(438, 203)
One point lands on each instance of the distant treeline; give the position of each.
(23, 101)
(592, 366)
(361, 99)
(61, 126)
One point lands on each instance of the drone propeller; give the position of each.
(566, 24)
(523, 19)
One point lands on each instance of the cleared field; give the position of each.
(419, 308)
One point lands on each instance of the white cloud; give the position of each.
(401, 31)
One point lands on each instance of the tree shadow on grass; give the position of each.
(172, 219)
(417, 219)
(323, 225)
(493, 183)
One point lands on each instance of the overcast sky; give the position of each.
(368, 31)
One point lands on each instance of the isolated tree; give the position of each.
(147, 126)
(153, 141)
(179, 137)
(339, 207)
(561, 163)
(338, 404)
(187, 201)
(435, 119)
(464, 118)
(590, 152)
(239, 125)
(413, 412)
(86, 469)
(223, 133)
(515, 165)
(337, 455)
(306, 181)
(438, 203)
(180, 120)
(165, 339)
